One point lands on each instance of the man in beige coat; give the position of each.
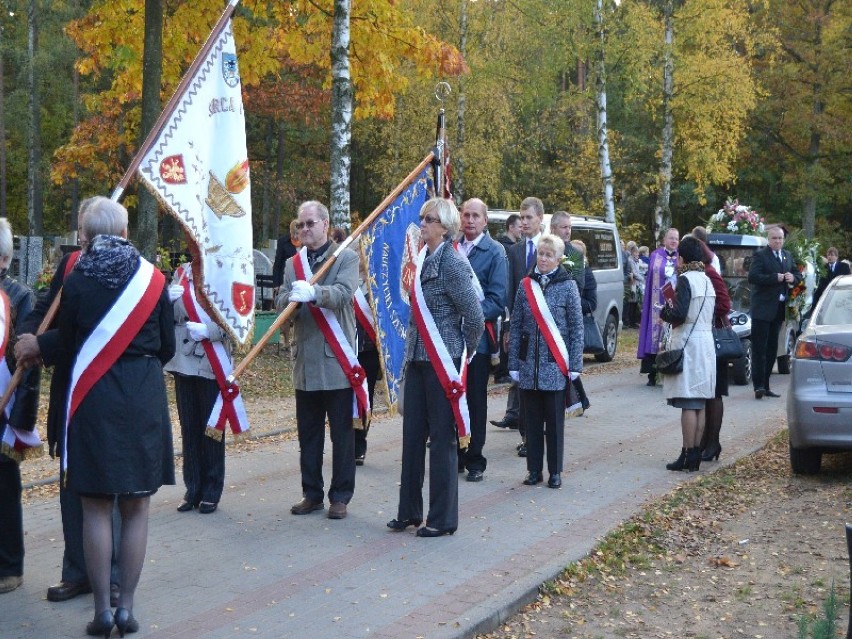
(322, 389)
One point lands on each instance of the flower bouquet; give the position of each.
(804, 254)
(736, 218)
(43, 280)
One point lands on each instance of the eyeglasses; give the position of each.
(309, 224)
(428, 219)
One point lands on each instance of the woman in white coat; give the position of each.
(691, 317)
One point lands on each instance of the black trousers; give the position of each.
(427, 414)
(11, 520)
(203, 456)
(369, 360)
(477, 403)
(764, 347)
(544, 416)
(312, 408)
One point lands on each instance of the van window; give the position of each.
(600, 247)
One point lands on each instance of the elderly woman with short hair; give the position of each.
(448, 293)
(542, 382)
(115, 309)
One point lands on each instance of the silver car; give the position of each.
(819, 404)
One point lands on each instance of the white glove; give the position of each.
(302, 292)
(574, 375)
(175, 291)
(514, 375)
(198, 331)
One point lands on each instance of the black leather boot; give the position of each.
(693, 459)
(679, 463)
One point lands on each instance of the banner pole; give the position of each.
(292, 306)
(171, 105)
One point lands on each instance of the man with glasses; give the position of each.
(323, 390)
(521, 257)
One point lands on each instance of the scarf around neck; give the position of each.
(110, 260)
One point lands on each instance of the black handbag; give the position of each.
(670, 362)
(728, 345)
(592, 339)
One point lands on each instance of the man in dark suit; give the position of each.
(285, 248)
(772, 274)
(513, 232)
(560, 225)
(833, 269)
(508, 240)
(521, 258)
(488, 260)
(322, 388)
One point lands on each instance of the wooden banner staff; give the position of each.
(171, 105)
(318, 275)
(19, 372)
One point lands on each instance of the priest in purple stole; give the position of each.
(662, 269)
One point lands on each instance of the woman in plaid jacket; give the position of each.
(541, 382)
(449, 295)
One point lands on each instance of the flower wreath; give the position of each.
(736, 218)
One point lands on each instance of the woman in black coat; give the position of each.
(119, 442)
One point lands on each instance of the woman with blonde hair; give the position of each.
(445, 326)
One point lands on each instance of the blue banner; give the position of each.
(391, 245)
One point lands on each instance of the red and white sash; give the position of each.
(452, 381)
(16, 444)
(111, 337)
(229, 407)
(364, 314)
(336, 338)
(546, 324)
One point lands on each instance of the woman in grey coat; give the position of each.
(427, 413)
(541, 382)
(196, 391)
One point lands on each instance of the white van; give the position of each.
(603, 253)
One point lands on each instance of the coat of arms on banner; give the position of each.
(409, 261)
(198, 169)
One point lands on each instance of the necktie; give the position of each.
(468, 247)
(778, 255)
(544, 281)
(530, 251)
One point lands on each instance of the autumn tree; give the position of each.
(804, 125)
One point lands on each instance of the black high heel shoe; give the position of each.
(100, 625)
(125, 621)
(399, 525)
(712, 452)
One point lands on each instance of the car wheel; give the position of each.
(742, 366)
(610, 339)
(805, 461)
(784, 360)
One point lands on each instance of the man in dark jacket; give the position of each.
(772, 274)
(22, 417)
(488, 260)
(286, 248)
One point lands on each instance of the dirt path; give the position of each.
(744, 552)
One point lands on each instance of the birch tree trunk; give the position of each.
(34, 192)
(152, 71)
(663, 212)
(603, 140)
(458, 153)
(341, 116)
(279, 182)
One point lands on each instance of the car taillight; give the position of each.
(822, 351)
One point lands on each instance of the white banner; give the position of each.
(198, 168)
